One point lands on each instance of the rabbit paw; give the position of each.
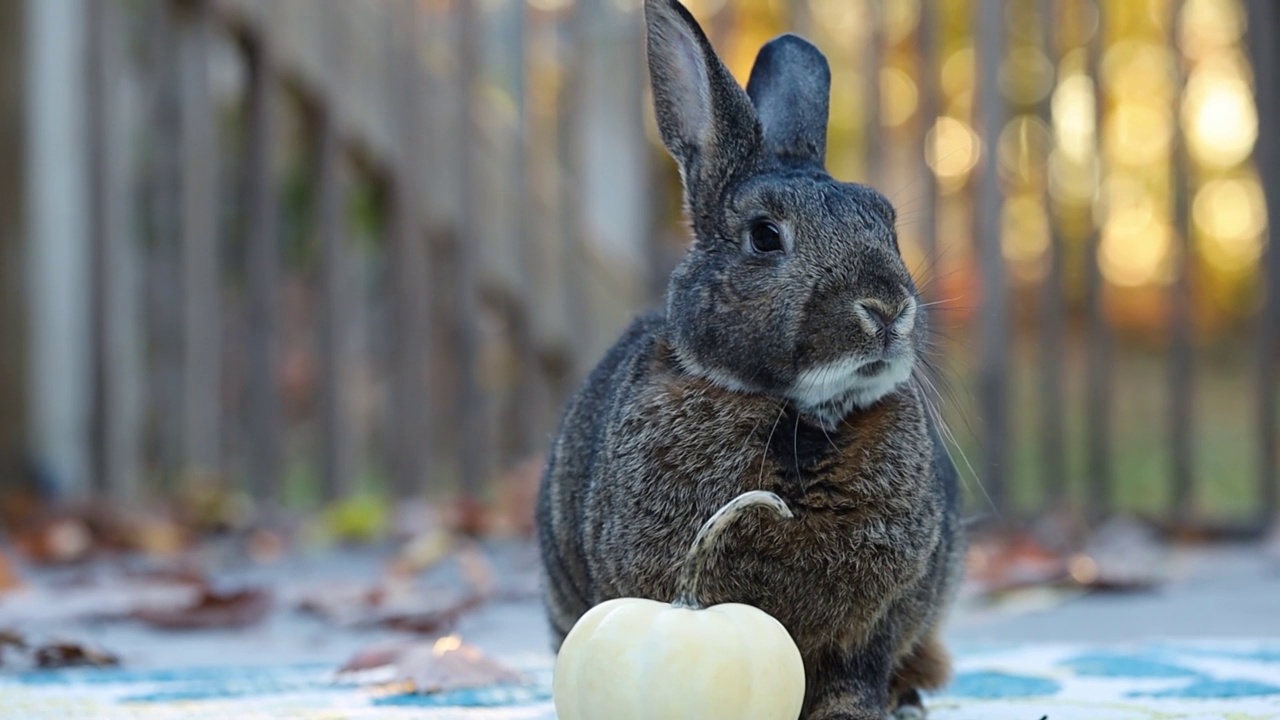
(910, 707)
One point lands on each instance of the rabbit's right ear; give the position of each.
(703, 114)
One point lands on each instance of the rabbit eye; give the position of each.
(766, 237)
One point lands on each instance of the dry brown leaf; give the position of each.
(448, 664)
(210, 610)
(1014, 562)
(443, 665)
(8, 574)
(68, 654)
(517, 497)
(10, 639)
(60, 541)
(423, 552)
(432, 619)
(265, 547)
(395, 604)
(478, 570)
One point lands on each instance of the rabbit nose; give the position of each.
(877, 316)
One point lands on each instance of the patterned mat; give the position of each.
(1165, 681)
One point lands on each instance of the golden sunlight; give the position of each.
(1139, 133)
(952, 150)
(898, 97)
(1209, 25)
(1231, 217)
(1218, 112)
(1074, 117)
(1025, 235)
(1135, 247)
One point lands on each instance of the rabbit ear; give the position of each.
(703, 113)
(790, 87)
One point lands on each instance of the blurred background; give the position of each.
(266, 259)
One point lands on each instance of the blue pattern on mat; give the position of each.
(989, 685)
(1164, 681)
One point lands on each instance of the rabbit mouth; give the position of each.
(873, 368)
(831, 391)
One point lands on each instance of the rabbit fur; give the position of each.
(782, 361)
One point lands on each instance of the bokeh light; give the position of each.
(952, 150)
(1025, 235)
(1218, 111)
(1230, 216)
(1074, 117)
(899, 97)
(1208, 25)
(1139, 133)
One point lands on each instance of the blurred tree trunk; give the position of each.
(12, 330)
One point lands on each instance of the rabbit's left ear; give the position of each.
(705, 118)
(790, 87)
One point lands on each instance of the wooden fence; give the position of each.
(427, 212)
(384, 239)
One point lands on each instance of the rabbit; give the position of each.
(785, 359)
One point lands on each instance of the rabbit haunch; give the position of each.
(783, 367)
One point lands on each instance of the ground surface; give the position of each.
(1204, 644)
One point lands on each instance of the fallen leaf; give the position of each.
(433, 619)
(68, 654)
(10, 639)
(59, 541)
(180, 574)
(443, 665)
(423, 552)
(517, 496)
(8, 575)
(265, 547)
(448, 664)
(471, 517)
(478, 570)
(395, 604)
(1010, 563)
(373, 658)
(210, 610)
(358, 519)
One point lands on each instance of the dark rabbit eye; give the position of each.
(766, 237)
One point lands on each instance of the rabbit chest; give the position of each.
(868, 513)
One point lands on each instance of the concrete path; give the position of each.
(1206, 644)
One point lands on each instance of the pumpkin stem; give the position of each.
(690, 578)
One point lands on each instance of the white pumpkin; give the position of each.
(634, 659)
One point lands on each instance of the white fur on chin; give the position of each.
(837, 385)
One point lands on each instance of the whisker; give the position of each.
(764, 456)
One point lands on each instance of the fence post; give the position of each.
(994, 331)
(115, 440)
(1264, 23)
(162, 284)
(337, 448)
(873, 61)
(263, 401)
(469, 411)
(570, 110)
(56, 250)
(1053, 309)
(927, 70)
(1181, 373)
(1097, 335)
(201, 267)
(522, 413)
(409, 403)
(13, 365)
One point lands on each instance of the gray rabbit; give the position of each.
(785, 360)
